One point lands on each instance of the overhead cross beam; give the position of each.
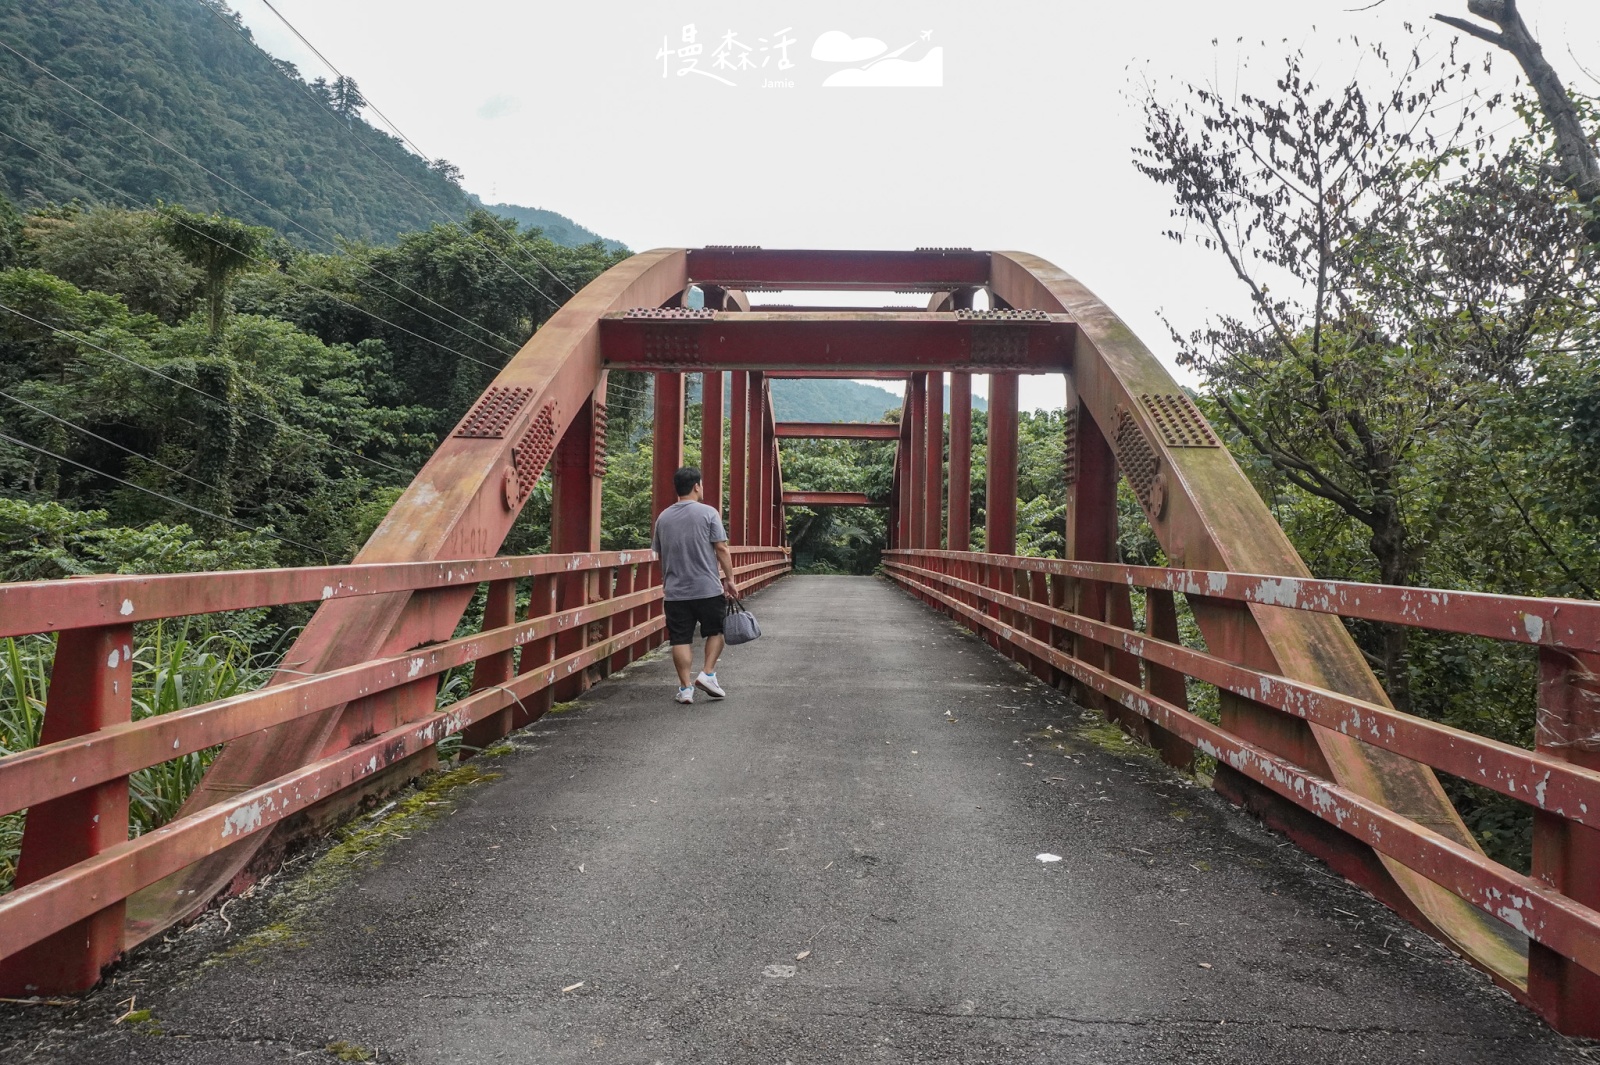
(678, 340)
(757, 269)
(838, 431)
(830, 499)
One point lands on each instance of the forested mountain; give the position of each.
(126, 102)
(558, 227)
(819, 400)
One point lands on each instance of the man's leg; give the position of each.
(683, 660)
(714, 645)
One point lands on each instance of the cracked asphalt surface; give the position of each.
(839, 863)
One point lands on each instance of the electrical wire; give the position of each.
(266, 262)
(103, 440)
(160, 495)
(218, 177)
(398, 132)
(184, 384)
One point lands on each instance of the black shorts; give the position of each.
(683, 613)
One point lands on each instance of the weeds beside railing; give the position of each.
(172, 669)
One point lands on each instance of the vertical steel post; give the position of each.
(1001, 490)
(711, 437)
(624, 621)
(960, 520)
(915, 467)
(539, 653)
(933, 462)
(1567, 855)
(668, 441)
(756, 486)
(1161, 622)
(1091, 536)
(904, 505)
(575, 524)
(91, 688)
(739, 462)
(493, 671)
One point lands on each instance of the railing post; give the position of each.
(539, 653)
(1566, 855)
(739, 461)
(494, 671)
(933, 462)
(624, 621)
(1001, 491)
(1161, 622)
(711, 437)
(91, 688)
(960, 520)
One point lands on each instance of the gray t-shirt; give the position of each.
(684, 534)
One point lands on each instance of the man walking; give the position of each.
(692, 544)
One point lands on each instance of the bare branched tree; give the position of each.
(1398, 276)
(1576, 157)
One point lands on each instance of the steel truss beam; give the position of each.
(838, 431)
(830, 499)
(811, 340)
(755, 269)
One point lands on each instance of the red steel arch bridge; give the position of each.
(1305, 737)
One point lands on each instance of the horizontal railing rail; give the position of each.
(998, 595)
(623, 596)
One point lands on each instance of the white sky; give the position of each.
(1027, 145)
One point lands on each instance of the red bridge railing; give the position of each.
(67, 917)
(1024, 607)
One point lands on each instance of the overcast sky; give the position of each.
(1025, 145)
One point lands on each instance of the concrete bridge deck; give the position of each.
(837, 864)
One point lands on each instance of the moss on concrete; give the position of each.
(360, 846)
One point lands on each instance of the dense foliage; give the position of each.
(1413, 386)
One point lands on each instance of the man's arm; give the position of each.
(725, 559)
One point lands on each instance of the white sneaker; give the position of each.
(707, 682)
(685, 695)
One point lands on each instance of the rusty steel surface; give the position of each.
(455, 507)
(1563, 624)
(1304, 723)
(838, 431)
(1544, 782)
(1531, 906)
(830, 499)
(799, 340)
(1206, 515)
(54, 900)
(86, 602)
(757, 269)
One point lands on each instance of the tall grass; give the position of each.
(172, 669)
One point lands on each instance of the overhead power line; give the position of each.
(218, 177)
(77, 338)
(398, 132)
(266, 262)
(161, 495)
(103, 440)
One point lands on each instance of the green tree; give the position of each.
(220, 248)
(125, 253)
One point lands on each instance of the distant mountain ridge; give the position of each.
(558, 227)
(221, 126)
(821, 399)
